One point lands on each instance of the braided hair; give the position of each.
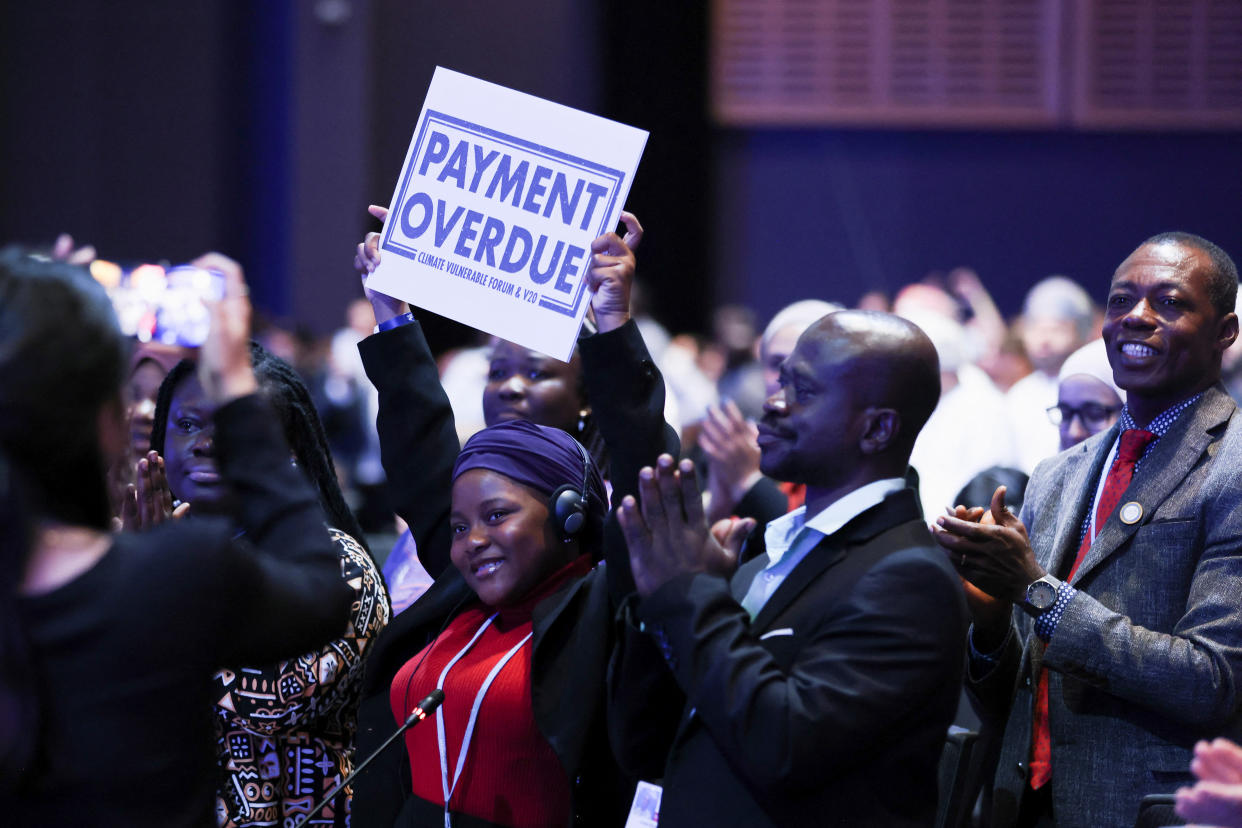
(282, 386)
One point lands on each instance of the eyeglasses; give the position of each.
(1094, 416)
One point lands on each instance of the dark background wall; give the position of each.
(263, 129)
(837, 213)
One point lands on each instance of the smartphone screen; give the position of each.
(155, 303)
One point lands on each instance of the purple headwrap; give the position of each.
(540, 457)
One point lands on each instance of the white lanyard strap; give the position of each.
(474, 715)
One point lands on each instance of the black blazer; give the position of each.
(830, 708)
(572, 628)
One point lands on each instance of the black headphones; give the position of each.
(568, 504)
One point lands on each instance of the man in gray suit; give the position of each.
(1125, 569)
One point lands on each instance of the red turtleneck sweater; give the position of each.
(511, 776)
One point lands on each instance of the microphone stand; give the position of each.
(425, 707)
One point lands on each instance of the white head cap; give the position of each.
(1091, 359)
(948, 335)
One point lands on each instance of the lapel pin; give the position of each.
(1131, 513)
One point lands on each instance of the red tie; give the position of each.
(1133, 441)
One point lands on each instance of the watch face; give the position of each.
(1041, 595)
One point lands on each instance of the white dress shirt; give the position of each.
(790, 537)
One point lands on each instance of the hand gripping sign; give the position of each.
(499, 199)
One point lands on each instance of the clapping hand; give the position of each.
(731, 442)
(994, 556)
(148, 502)
(667, 533)
(991, 615)
(1216, 799)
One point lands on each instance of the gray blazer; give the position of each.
(1148, 657)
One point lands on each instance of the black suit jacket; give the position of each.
(572, 628)
(830, 708)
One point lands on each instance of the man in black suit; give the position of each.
(814, 686)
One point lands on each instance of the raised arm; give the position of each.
(625, 388)
(290, 597)
(418, 439)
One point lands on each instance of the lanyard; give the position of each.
(474, 714)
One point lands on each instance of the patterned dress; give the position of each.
(285, 732)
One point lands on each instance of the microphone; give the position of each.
(421, 711)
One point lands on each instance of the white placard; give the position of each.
(498, 201)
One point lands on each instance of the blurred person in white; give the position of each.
(961, 296)
(1058, 317)
(995, 346)
(1088, 399)
(969, 431)
(463, 375)
(690, 387)
(782, 333)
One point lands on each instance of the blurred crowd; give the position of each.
(749, 564)
(999, 379)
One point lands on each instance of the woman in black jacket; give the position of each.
(572, 625)
(113, 638)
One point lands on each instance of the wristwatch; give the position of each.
(1041, 595)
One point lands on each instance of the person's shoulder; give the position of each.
(181, 563)
(903, 548)
(355, 560)
(917, 574)
(1231, 440)
(362, 574)
(1225, 456)
(920, 551)
(181, 544)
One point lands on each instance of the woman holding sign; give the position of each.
(524, 602)
(522, 383)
